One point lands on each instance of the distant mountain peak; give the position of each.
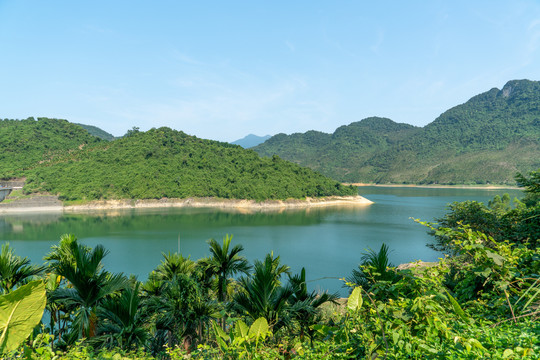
(507, 90)
(251, 140)
(520, 88)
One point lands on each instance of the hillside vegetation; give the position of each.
(486, 140)
(63, 159)
(24, 144)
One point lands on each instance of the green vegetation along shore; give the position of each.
(486, 140)
(481, 301)
(63, 159)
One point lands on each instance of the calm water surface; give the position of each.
(327, 242)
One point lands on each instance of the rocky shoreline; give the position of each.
(47, 204)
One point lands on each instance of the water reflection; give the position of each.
(327, 241)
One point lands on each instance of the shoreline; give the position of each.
(196, 203)
(440, 186)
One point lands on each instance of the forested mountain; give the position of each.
(61, 158)
(486, 140)
(251, 140)
(100, 133)
(26, 143)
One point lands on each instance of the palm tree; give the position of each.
(177, 308)
(224, 264)
(374, 267)
(89, 284)
(176, 296)
(14, 270)
(262, 294)
(173, 265)
(59, 312)
(122, 323)
(63, 251)
(305, 305)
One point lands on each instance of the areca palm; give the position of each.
(224, 263)
(262, 294)
(177, 308)
(63, 251)
(173, 265)
(15, 270)
(305, 304)
(90, 285)
(375, 266)
(123, 324)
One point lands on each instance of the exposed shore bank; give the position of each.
(440, 186)
(14, 207)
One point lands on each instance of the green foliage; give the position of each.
(305, 306)
(243, 341)
(224, 263)
(531, 187)
(262, 294)
(519, 225)
(89, 284)
(14, 270)
(123, 324)
(354, 302)
(163, 163)
(20, 311)
(27, 143)
(375, 267)
(482, 141)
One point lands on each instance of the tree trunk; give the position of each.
(187, 344)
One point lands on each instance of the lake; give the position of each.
(328, 242)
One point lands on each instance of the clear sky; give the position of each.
(223, 69)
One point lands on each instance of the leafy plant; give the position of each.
(14, 270)
(242, 341)
(20, 311)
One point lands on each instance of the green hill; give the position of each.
(26, 143)
(486, 140)
(167, 163)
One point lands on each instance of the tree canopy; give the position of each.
(63, 159)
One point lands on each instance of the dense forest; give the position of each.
(63, 159)
(485, 140)
(482, 300)
(25, 144)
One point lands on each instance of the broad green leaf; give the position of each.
(457, 308)
(507, 353)
(222, 344)
(259, 329)
(395, 337)
(477, 344)
(219, 332)
(485, 273)
(497, 259)
(355, 299)
(241, 329)
(20, 311)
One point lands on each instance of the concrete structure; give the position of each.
(4, 192)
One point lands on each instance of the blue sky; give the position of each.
(223, 69)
